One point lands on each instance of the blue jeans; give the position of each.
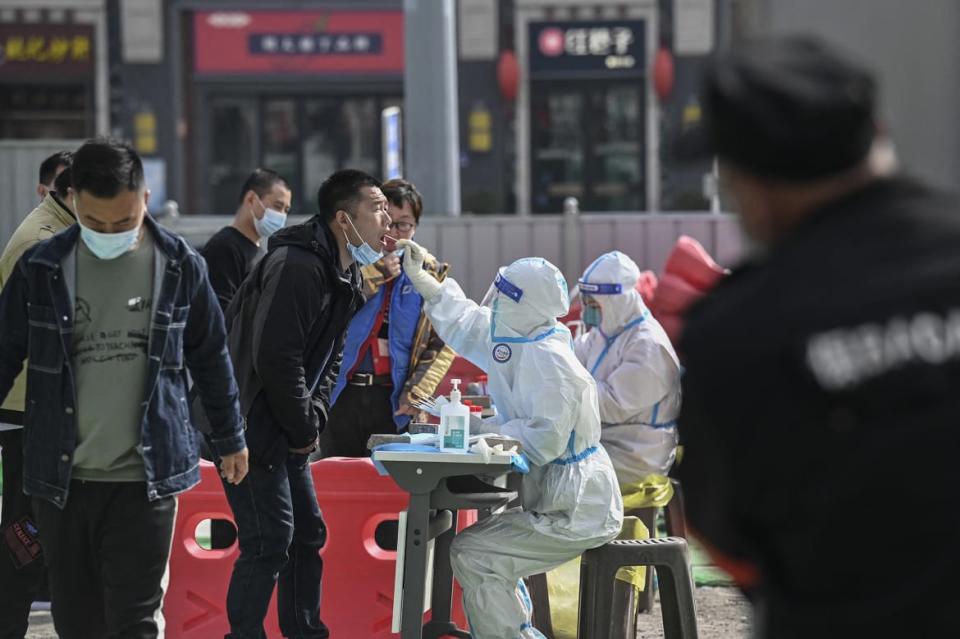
(280, 531)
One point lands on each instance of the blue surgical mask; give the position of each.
(363, 254)
(591, 316)
(271, 222)
(107, 246)
(399, 252)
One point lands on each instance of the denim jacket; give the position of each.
(36, 320)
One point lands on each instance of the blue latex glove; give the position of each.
(520, 463)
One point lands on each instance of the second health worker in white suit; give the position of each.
(636, 369)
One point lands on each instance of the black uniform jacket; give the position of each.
(821, 420)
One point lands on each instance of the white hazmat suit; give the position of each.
(545, 399)
(636, 369)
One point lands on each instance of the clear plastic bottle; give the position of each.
(482, 381)
(455, 423)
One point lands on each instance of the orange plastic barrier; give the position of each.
(358, 575)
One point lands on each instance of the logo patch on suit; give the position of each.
(502, 353)
(406, 290)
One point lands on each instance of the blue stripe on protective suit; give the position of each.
(613, 338)
(574, 458)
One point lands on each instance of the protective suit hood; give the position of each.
(528, 297)
(608, 273)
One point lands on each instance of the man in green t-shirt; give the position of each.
(112, 313)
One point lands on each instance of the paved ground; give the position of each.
(721, 614)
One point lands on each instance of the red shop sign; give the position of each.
(311, 42)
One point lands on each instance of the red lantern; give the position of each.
(508, 75)
(663, 74)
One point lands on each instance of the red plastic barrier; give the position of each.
(674, 295)
(647, 286)
(358, 575)
(461, 369)
(355, 499)
(672, 325)
(195, 603)
(691, 262)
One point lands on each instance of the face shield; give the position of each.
(501, 285)
(588, 289)
(592, 312)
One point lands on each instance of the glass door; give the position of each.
(339, 134)
(587, 141)
(303, 138)
(558, 147)
(234, 149)
(280, 145)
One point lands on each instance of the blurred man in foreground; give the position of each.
(820, 392)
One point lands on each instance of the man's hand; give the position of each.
(407, 409)
(389, 266)
(233, 468)
(306, 450)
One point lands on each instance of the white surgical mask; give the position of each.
(107, 246)
(271, 222)
(363, 254)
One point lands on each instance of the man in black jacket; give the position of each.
(820, 398)
(287, 324)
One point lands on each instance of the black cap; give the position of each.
(788, 108)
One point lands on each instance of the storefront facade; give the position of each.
(51, 70)
(298, 91)
(591, 127)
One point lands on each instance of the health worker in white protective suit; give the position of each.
(545, 399)
(636, 369)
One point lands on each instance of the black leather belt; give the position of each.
(369, 379)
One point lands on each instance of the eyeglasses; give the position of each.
(403, 227)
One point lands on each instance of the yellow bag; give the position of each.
(653, 491)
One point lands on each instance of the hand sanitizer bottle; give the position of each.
(455, 423)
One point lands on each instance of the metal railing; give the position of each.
(475, 246)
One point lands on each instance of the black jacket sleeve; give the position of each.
(292, 290)
(324, 390)
(14, 329)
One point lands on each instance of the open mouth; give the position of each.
(388, 243)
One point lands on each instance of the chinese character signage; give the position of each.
(32, 49)
(298, 42)
(313, 45)
(602, 49)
